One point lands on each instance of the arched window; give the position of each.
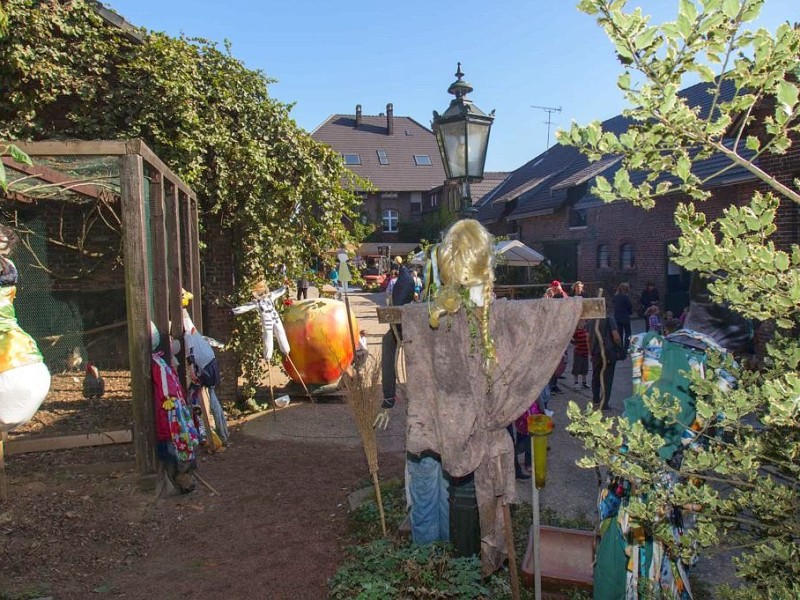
(389, 219)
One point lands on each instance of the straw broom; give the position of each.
(362, 390)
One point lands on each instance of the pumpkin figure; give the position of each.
(320, 339)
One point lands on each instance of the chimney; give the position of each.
(358, 116)
(390, 119)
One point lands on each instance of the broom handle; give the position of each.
(512, 555)
(379, 500)
(271, 390)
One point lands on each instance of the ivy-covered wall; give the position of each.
(66, 73)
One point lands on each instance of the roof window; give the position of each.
(351, 159)
(382, 158)
(423, 160)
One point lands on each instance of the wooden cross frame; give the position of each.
(592, 308)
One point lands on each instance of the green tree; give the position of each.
(64, 72)
(747, 479)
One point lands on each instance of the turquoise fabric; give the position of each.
(676, 363)
(610, 568)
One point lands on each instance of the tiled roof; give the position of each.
(541, 185)
(409, 138)
(490, 181)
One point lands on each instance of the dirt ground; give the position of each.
(76, 524)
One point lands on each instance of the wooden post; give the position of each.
(186, 253)
(3, 480)
(175, 272)
(194, 242)
(137, 298)
(159, 254)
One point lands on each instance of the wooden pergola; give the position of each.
(171, 244)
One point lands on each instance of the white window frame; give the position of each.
(390, 220)
(420, 160)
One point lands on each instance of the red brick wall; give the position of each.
(217, 272)
(650, 231)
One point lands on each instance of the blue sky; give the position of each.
(328, 56)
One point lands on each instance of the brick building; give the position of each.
(547, 204)
(401, 160)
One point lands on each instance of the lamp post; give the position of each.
(462, 134)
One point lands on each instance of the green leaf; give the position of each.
(787, 96)
(753, 143)
(730, 8)
(19, 156)
(683, 167)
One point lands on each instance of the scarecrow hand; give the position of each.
(382, 420)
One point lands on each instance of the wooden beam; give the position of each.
(186, 252)
(52, 176)
(73, 148)
(197, 305)
(137, 146)
(592, 308)
(3, 480)
(137, 298)
(175, 272)
(159, 254)
(66, 442)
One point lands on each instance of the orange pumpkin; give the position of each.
(319, 338)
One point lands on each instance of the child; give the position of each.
(580, 355)
(417, 286)
(653, 320)
(362, 352)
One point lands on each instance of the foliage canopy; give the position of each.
(746, 481)
(66, 73)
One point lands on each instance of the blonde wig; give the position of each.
(465, 261)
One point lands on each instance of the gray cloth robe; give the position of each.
(455, 410)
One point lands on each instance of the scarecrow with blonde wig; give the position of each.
(476, 365)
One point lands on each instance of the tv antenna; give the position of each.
(549, 110)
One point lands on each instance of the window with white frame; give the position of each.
(416, 202)
(423, 160)
(382, 158)
(434, 200)
(390, 221)
(351, 159)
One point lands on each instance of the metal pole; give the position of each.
(537, 564)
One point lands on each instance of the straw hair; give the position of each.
(465, 259)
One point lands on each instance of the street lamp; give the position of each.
(462, 134)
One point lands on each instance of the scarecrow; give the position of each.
(477, 364)
(24, 378)
(176, 435)
(271, 325)
(203, 371)
(630, 556)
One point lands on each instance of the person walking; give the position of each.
(622, 314)
(606, 349)
(302, 287)
(580, 355)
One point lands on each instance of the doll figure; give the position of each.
(271, 324)
(24, 378)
